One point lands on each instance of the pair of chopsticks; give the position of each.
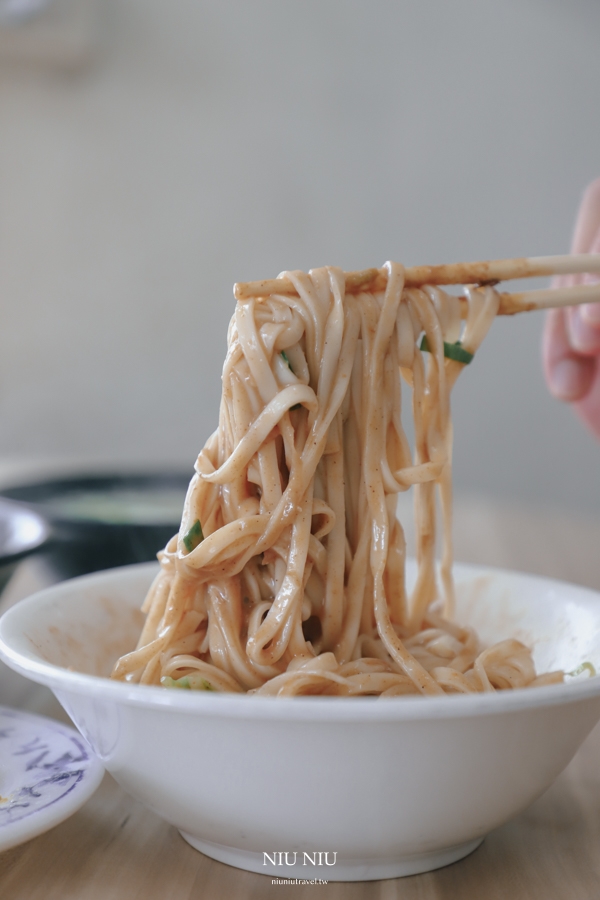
(488, 272)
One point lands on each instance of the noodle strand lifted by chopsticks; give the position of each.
(288, 574)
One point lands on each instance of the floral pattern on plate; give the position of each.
(47, 772)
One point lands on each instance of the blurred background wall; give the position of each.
(212, 142)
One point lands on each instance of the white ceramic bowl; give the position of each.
(391, 787)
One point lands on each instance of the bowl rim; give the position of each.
(300, 709)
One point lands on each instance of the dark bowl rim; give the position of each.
(25, 492)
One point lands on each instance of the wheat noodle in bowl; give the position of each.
(288, 573)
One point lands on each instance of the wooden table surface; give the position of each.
(114, 848)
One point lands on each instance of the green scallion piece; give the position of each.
(188, 683)
(451, 351)
(169, 682)
(584, 667)
(193, 537)
(286, 360)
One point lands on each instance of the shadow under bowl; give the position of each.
(101, 521)
(384, 787)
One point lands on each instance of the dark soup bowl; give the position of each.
(100, 521)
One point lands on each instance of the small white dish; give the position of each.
(47, 772)
(383, 787)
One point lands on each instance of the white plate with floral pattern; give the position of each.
(47, 772)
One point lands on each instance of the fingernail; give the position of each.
(565, 379)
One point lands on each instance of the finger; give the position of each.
(587, 225)
(583, 337)
(569, 376)
(588, 408)
(590, 312)
(584, 321)
(587, 228)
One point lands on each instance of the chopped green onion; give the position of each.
(193, 537)
(169, 682)
(186, 684)
(296, 406)
(584, 667)
(451, 351)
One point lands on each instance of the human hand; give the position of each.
(571, 342)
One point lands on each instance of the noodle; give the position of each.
(288, 573)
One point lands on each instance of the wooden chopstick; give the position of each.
(548, 298)
(486, 272)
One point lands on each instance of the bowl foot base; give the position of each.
(342, 870)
